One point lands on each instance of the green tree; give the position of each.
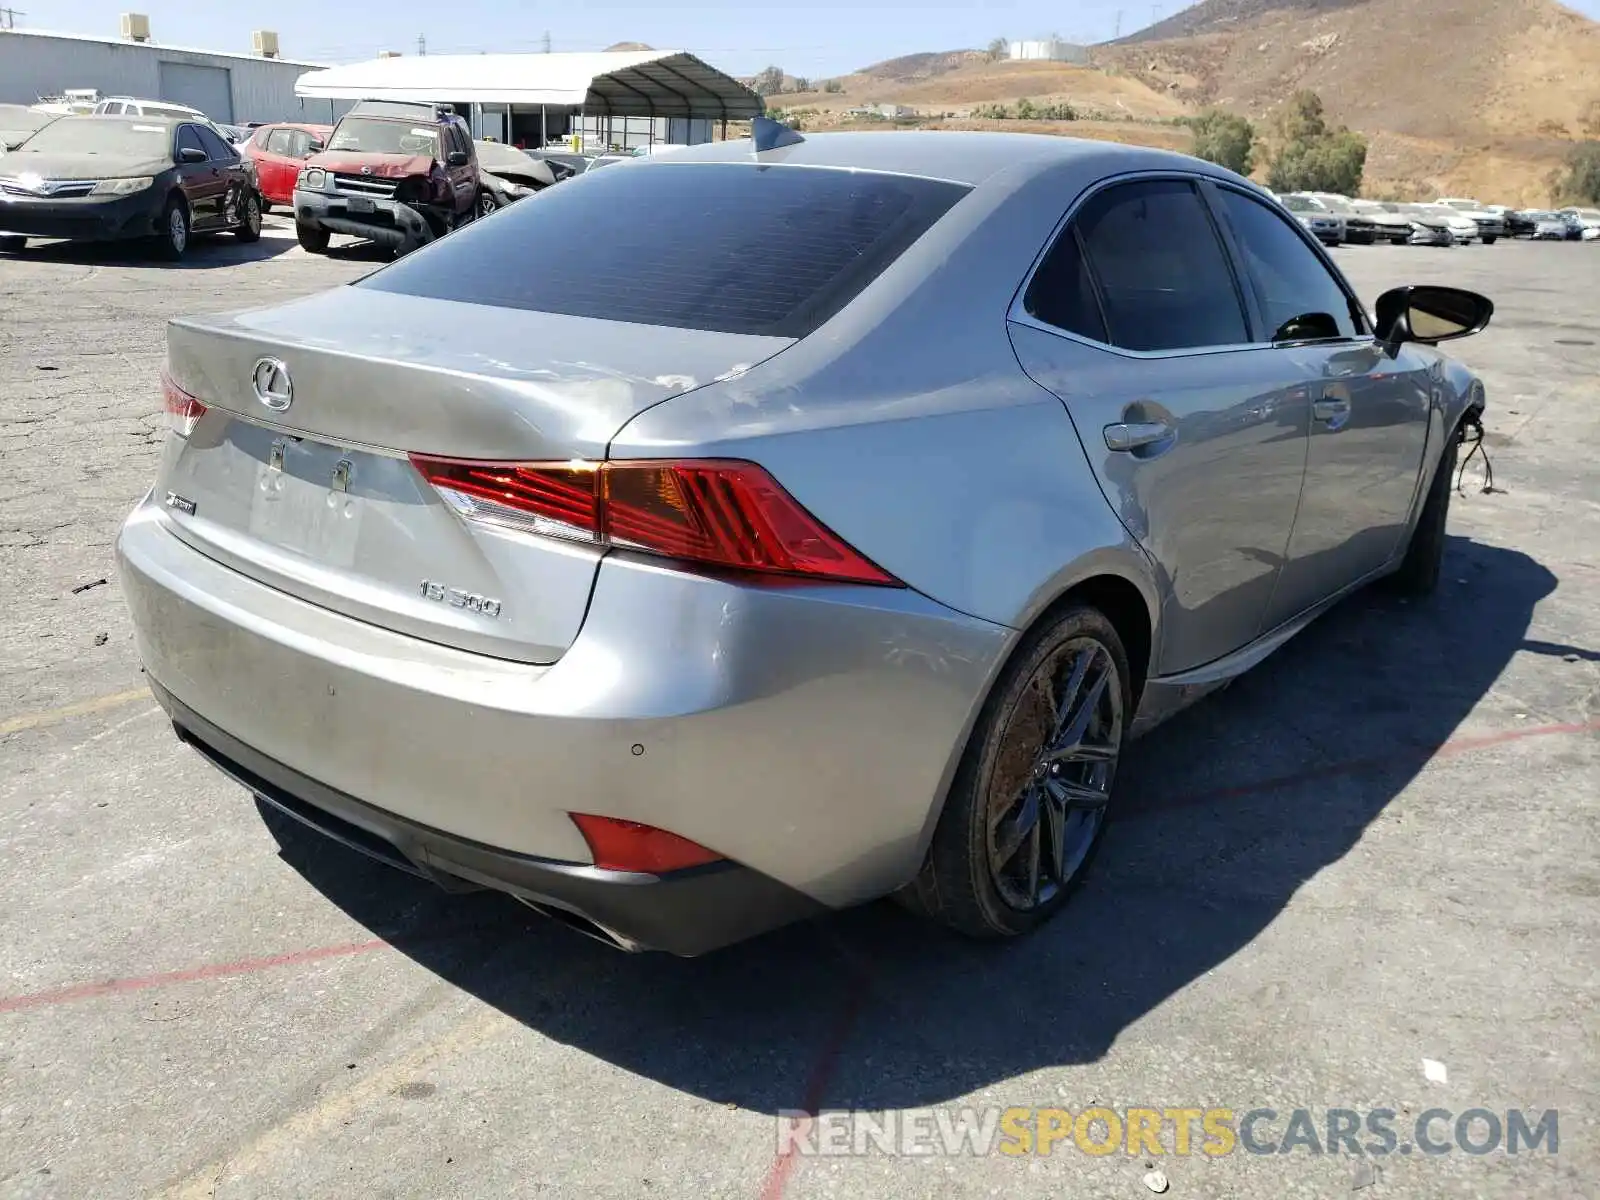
(802, 84)
(998, 49)
(769, 82)
(1025, 110)
(1579, 181)
(1311, 156)
(833, 87)
(1224, 138)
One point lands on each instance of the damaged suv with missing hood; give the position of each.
(395, 173)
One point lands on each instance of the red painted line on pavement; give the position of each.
(137, 983)
(827, 1061)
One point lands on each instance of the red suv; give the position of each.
(279, 151)
(395, 173)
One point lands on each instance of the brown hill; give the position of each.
(1457, 95)
(962, 80)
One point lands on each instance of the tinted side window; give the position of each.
(1062, 294)
(730, 247)
(281, 142)
(1165, 283)
(216, 149)
(188, 139)
(1299, 298)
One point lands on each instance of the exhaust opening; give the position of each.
(583, 925)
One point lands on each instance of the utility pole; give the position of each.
(1155, 13)
(8, 17)
(422, 45)
(546, 41)
(1118, 34)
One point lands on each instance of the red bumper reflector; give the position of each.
(619, 845)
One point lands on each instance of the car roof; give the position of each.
(132, 119)
(959, 157)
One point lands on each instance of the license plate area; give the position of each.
(360, 204)
(306, 499)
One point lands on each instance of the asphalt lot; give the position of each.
(1381, 847)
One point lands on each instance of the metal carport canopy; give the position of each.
(623, 83)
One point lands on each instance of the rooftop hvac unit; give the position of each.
(265, 43)
(136, 27)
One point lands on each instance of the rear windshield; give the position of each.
(727, 247)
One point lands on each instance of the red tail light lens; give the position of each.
(183, 410)
(619, 845)
(719, 513)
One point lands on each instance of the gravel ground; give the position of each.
(1378, 848)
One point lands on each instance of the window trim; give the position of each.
(1019, 313)
(1358, 312)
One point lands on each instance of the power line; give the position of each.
(8, 17)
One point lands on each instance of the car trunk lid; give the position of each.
(317, 496)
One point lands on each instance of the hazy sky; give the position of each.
(813, 37)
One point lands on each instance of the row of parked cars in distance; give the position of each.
(1340, 220)
(396, 174)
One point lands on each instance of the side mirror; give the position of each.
(456, 158)
(191, 154)
(316, 147)
(1428, 315)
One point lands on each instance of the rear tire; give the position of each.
(313, 239)
(488, 204)
(249, 229)
(1489, 241)
(1419, 570)
(1030, 800)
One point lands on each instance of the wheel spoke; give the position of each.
(1035, 850)
(1075, 795)
(1061, 713)
(1011, 834)
(1055, 817)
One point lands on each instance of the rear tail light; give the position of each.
(183, 410)
(619, 845)
(719, 513)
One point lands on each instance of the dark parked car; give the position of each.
(394, 173)
(508, 174)
(113, 178)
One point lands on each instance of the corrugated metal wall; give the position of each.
(34, 65)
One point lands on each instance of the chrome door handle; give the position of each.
(1330, 411)
(1132, 435)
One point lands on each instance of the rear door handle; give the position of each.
(1132, 435)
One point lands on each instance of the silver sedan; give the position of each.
(754, 532)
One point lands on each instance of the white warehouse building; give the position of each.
(228, 88)
(1050, 49)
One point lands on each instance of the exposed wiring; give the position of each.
(1471, 434)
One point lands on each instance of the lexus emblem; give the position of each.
(272, 383)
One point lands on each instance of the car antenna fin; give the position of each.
(768, 134)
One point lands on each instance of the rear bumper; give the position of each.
(806, 733)
(82, 220)
(682, 912)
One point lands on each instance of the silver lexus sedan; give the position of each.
(755, 532)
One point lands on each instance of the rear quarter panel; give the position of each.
(906, 425)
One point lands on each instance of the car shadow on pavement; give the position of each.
(206, 252)
(1226, 812)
